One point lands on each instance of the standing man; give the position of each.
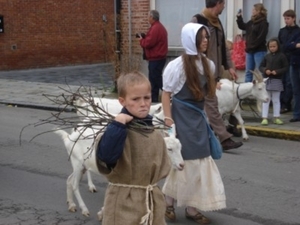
(284, 35)
(155, 45)
(218, 53)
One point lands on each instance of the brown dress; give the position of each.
(132, 196)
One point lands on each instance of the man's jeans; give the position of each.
(253, 61)
(155, 68)
(286, 95)
(295, 80)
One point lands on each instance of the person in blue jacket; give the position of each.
(293, 45)
(134, 158)
(284, 35)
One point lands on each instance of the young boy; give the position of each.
(136, 159)
(273, 66)
(284, 35)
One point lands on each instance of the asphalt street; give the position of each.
(260, 178)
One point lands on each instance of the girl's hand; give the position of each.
(268, 72)
(169, 121)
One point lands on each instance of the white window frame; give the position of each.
(231, 8)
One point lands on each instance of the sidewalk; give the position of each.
(26, 88)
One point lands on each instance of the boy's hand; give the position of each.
(123, 118)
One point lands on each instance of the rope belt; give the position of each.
(148, 218)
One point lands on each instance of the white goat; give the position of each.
(231, 93)
(78, 145)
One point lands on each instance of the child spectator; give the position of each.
(293, 45)
(273, 66)
(136, 159)
(284, 35)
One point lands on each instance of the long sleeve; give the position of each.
(111, 145)
(151, 38)
(284, 65)
(263, 67)
(240, 23)
(292, 42)
(259, 39)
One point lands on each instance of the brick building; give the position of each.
(46, 33)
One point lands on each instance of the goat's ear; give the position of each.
(158, 109)
(265, 79)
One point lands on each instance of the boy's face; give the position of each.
(137, 100)
(289, 21)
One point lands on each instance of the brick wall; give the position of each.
(45, 33)
(139, 23)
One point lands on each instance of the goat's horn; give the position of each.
(257, 75)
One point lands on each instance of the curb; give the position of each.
(273, 133)
(38, 106)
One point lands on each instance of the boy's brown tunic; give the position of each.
(143, 164)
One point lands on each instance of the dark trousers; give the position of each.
(286, 95)
(155, 68)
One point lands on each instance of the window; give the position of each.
(297, 10)
(174, 14)
(274, 15)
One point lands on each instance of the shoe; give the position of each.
(278, 121)
(170, 213)
(285, 110)
(234, 131)
(230, 144)
(198, 218)
(294, 120)
(264, 122)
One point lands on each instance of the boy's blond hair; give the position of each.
(130, 79)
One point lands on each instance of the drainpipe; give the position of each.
(129, 34)
(117, 12)
(117, 9)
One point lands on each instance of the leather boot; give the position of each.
(230, 144)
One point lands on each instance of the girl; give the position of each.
(189, 80)
(273, 66)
